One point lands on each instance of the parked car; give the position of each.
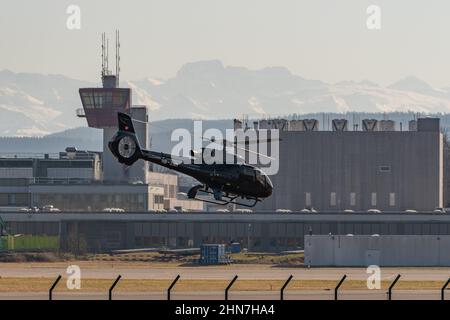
(29, 209)
(284, 210)
(243, 210)
(49, 208)
(113, 210)
(374, 211)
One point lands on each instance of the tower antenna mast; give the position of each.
(117, 56)
(107, 55)
(103, 54)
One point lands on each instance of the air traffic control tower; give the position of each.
(100, 108)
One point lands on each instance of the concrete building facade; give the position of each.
(379, 250)
(359, 170)
(260, 231)
(71, 181)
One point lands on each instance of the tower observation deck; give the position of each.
(100, 108)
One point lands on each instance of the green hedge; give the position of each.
(30, 242)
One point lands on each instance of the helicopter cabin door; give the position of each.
(247, 176)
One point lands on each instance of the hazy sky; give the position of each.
(317, 39)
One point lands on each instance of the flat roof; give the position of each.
(226, 217)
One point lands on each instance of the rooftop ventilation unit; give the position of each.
(340, 125)
(263, 124)
(412, 125)
(311, 124)
(280, 124)
(386, 125)
(296, 125)
(428, 124)
(237, 124)
(370, 125)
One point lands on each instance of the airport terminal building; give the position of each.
(258, 231)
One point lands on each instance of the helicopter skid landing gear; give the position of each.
(220, 197)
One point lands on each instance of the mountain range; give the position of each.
(38, 104)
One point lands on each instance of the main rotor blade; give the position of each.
(240, 148)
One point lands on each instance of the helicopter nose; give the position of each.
(268, 187)
(269, 190)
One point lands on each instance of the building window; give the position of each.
(308, 199)
(374, 199)
(352, 199)
(172, 191)
(392, 199)
(384, 168)
(11, 199)
(158, 199)
(333, 199)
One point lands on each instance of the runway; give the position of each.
(49, 271)
(245, 272)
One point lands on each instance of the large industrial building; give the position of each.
(259, 231)
(377, 167)
(73, 180)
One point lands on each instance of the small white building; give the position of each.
(381, 250)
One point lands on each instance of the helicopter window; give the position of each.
(260, 177)
(247, 172)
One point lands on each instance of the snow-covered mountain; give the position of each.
(36, 104)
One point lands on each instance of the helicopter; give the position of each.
(236, 183)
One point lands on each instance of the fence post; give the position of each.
(392, 286)
(229, 286)
(284, 287)
(113, 285)
(171, 286)
(50, 292)
(443, 289)
(338, 286)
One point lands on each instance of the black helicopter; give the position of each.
(226, 182)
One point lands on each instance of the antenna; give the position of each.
(103, 54)
(117, 56)
(107, 55)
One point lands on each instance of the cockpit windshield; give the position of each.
(262, 178)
